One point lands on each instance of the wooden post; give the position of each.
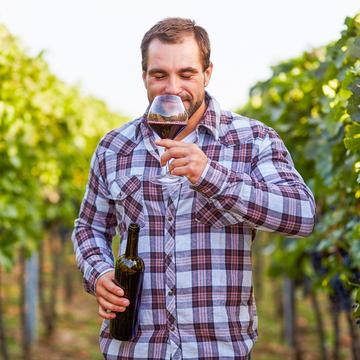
(355, 343)
(335, 312)
(319, 324)
(28, 301)
(278, 301)
(68, 270)
(31, 296)
(3, 344)
(289, 311)
(290, 317)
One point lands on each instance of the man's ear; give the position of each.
(144, 78)
(207, 74)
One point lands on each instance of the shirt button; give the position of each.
(170, 218)
(170, 293)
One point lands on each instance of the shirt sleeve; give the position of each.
(273, 197)
(94, 229)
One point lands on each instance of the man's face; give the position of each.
(176, 69)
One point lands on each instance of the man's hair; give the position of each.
(173, 31)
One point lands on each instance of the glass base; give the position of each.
(167, 179)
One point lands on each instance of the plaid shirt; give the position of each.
(195, 239)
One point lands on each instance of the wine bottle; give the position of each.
(129, 274)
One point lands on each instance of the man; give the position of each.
(195, 238)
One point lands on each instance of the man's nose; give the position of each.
(173, 86)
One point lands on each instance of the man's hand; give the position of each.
(109, 296)
(189, 159)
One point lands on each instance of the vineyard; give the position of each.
(313, 102)
(49, 130)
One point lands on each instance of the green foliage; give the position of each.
(313, 101)
(48, 131)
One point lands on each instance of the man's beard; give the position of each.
(193, 107)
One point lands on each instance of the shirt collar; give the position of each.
(143, 126)
(211, 118)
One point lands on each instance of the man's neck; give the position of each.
(192, 123)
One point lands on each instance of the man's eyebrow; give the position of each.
(189, 69)
(156, 71)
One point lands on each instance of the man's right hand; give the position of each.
(109, 296)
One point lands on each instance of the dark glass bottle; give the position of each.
(129, 274)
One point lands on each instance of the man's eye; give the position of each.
(159, 76)
(186, 76)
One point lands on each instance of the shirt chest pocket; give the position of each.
(203, 210)
(126, 191)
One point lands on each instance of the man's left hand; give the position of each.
(188, 159)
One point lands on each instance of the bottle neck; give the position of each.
(132, 242)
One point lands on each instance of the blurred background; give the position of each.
(71, 71)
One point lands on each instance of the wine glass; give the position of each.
(167, 117)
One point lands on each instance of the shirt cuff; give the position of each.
(94, 274)
(212, 180)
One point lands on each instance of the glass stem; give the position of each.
(167, 168)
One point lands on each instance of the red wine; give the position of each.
(129, 274)
(167, 130)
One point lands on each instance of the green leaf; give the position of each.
(354, 107)
(352, 144)
(352, 130)
(356, 311)
(355, 87)
(354, 48)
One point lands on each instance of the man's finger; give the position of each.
(170, 143)
(104, 314)
(110, 286)
(114, 299)
(174, 153)
(109, 306)
(181, 171)
(177, 163)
